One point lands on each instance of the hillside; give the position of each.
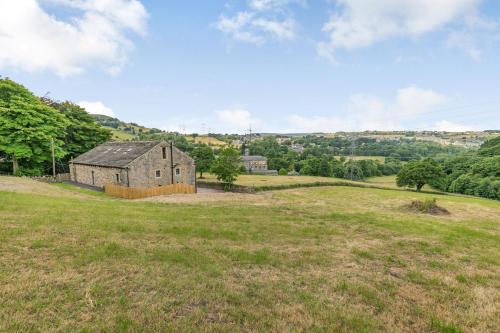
(123, 130)
(318, 259)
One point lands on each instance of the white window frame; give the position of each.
(178, 172)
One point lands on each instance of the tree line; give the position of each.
(473, 173)
(30, 127)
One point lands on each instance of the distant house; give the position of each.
(256, 164)
(298, 148)
(133, 164)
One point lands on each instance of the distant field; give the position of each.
(261, 181)
(258, 181)
(121, 135)
(208, 141)
(386, 181)
(330, 259)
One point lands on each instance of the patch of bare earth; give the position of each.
(27, 185)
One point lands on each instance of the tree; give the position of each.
(27, 127)
(324, 167)
(490, 147)
(204, 157)
(82, 133)
(353, 171)
(227, 166)
(419, 173)
(283, 172)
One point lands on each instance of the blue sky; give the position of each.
(274, 65)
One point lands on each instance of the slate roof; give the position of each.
(253, 158)
(115, 154)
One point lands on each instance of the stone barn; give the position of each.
(136, 164)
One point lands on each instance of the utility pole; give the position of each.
(53, 158)
(250, 134)
(353, 150)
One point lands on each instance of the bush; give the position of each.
(283, 172)
(427, 206)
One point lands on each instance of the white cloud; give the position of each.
(477, 31)
(236, 28)
(413, 101)
(361, 23)
(96, 108)
(367, 112)
(32, 39)
(284, 30)
(237, 120)
(264, 20)
(448, 126)
(267, 5)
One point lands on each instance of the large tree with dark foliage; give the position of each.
(227, 166)
(418, 173)
(204, 157)
(82, 132)
(27, 129)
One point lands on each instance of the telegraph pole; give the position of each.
(53, 158)
(353, 150)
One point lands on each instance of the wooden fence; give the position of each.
(139, 193)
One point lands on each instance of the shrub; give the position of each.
(427, 206)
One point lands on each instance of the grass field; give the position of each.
(257, 181)
(121, 135)
(208, 140)
(329, 259)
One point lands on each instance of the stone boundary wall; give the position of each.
(62, 177)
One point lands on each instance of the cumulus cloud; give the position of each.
(237, 120)
(367, 112)
(31, 39)
(267, 5)
(263, 20)
(413, 100)
(448, 126)
(477, 31)
(361, 23)
(96, 108)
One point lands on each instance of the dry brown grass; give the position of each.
(318, 259)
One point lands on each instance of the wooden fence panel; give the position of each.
(139, 193)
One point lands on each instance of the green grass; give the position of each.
(266, 183)
(339, 259)
(121, 135)
(263, 182)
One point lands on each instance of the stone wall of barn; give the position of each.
(143, 171)
(98, 176)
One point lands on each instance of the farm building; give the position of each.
(256, 164)
(138, 164)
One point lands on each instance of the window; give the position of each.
(158, 173)
(117, 177)
(93, 178)
(164, 153)
(177, 172)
